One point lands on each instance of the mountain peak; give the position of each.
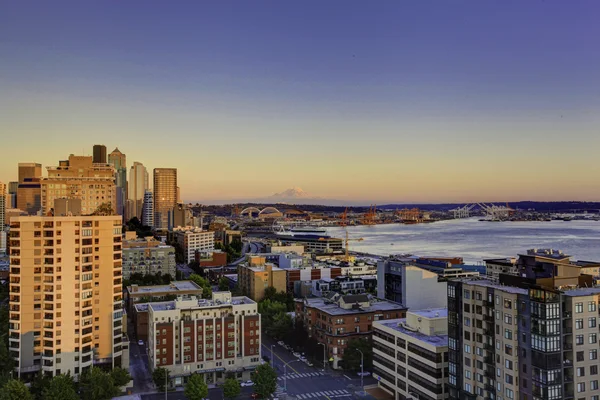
(293, 193)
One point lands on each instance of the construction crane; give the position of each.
(369, 217)
(344, 218)
(348, 240)
(412, 215)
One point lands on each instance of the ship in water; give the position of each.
(300, 231)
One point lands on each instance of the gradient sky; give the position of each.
(382, 101)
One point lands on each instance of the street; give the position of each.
(138, 368)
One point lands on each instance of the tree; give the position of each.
(265, 380)
(120, 377)
(39, 383)
(231, 388)
(15, 390)
(204, 284)
(223, 283)
(96, 384)
(104, 209)
(196, 388)
(61, 387)
(270, 293)
(281, 326)
(160, 376)
(352, 355)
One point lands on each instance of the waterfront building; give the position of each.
(410, 285)
(29, 171)
(119, 162)
(29, 196)
(165, 195)
(531, 335)
(314, 244)
(137, 185)
(65, 303)
(79, 178)
(213, 337)
(255, 275)
(410, 355)
(358, 269)
(148, 209)
(191, 240)
(147, 256)
(337, 319)
(99, 154)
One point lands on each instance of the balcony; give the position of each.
(488, 360)
(488, 318)
(488, 347)
(567, 314)
(567, 346)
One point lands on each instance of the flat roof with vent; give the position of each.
(398, 325)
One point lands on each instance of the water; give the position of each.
(475, 240)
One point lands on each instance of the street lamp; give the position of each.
(362, 371)
(285, 374)
(324, 354)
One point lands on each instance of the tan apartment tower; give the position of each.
(79, 178)
(165, 195)
(137, 186)
(2, 205)
(66, 312)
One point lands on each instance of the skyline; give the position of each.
(373, 103)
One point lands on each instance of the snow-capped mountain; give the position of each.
(293, 193)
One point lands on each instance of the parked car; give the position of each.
(297, 355)
(247, 383)
(366, 373)
(308, 362)
(302, 358)
(141, 342)
(281, 343)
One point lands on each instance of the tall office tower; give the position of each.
(79, 178)
(2, 205)
(29, 196)
(118, 161)
(29, 170)
(137, 185)
(147, 217)
(99, 154)
(165, 195)
(65, 299)
(529, 335)
(11, 201)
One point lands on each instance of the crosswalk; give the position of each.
(326, 393)
(303, 375)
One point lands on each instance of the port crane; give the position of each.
(347, 244)
(496, 213)
(463, 212)
(343, 218)
(369, 217)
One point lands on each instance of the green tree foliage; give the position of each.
(38, 384)
(14, 390)
(351, 358)
(137, 278)
(158, 377)
(223, 283)
(204, 284)
(61, 387)
(281, 326)
(134, 224)
(96, 384)
(276, 322)
(104, 209)
(231, 388)
(280, 297)
(196, 388)
(265, 380)
(120, 377)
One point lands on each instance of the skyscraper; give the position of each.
(11, 200)
(65, 303)
(79, 178)
(118, 161)
(137, 186)
(165, 195)
(2, 217)
(29, 170)
(99, 154)
(147, 216)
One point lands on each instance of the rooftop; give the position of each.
(191, 302)
(494, 285)
(331, 308)
(432, 313)
(399, 325)
(547, 253)
(582, 291)
(172, 288)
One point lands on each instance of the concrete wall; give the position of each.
(422, 290)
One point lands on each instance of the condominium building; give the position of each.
(165, 195)
(210, 337)
(66, 311)
(137, 185)
(142, 294)
(147, 256)
(337, 319)
(79, 178)
(2, 217)
(531, 335)
(410, 355)
(256, 275)
(192, 240)
(496, 266)
(148, 209)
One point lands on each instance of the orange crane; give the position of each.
(369, 217)
(344, 218)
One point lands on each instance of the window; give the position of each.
(467, 295)
(468, 388)
(510, 394)
(594, 370)
(593, 385)
(578, 308)
(594, 354)
(591, 306)
(591, 322)
(579, 340)
(468, 374)
(579, 323)
(580, 371)
(508, 364)
(508, 379)
(508, 334)
(593, 338)
(579, 356)
(467, 349)
(451, 291)
(508, 319)
(581, 387)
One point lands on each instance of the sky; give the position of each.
(373, 102)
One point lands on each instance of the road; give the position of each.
(138, 368)
(185, 270)
(307, 382)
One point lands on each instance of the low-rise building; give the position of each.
(255, 275)
(191, 240)
(410, 355)
(337, 319)
(210, 337)
(147, 256)
(143, 294)
(290, 248)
